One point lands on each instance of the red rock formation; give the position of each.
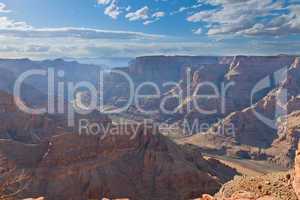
(117, 166)
(243, 71)
(269, 187)
(246, 71)
(27, 128)
(243, 131)
(241, 195)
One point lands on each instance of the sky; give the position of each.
(128, 28)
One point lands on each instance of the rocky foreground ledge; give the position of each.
(280, 186)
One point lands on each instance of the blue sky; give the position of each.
(128, 28)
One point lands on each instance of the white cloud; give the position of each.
(286, 24)
(9, 24)
(140, 14)
(73, 32)
(112, 10)
(155, 17)
(143, 14)
(103, 1)
(158, 14)
(181, 9)
(201, 16)
(18, 39)
(295, 15)
(184, 8)
(252, 17)
(18, 29)
(148, 22)
(3, 8)
(198, 31)
(128, 8)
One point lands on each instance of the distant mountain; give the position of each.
(106, 63)
(36, 87)
(73, 70)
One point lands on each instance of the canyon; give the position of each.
(40, 155)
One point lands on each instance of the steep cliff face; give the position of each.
(246, 72)
(30, 128)
(238, 75)
(14, 123)
(241, 76)
(169, 68)
(251, 129)
(137, 165)
(160, 70)
(243, 71)
(283, 149)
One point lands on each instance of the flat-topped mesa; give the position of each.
(247, 71)
(263, 62)
(262, 59)
(297, 173)
(169, 68)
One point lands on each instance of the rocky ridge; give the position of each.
(145, 165)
